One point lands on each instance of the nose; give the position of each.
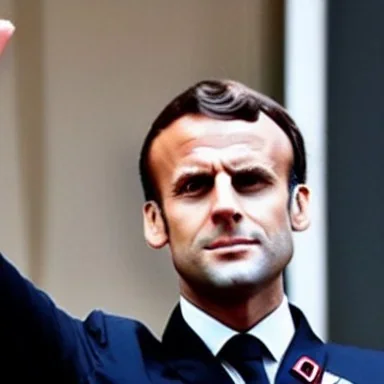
(225, 208)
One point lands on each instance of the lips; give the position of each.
(230, 242)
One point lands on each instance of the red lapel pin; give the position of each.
(307, 370)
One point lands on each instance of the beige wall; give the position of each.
(79, 86)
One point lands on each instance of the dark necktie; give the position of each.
(245, 354)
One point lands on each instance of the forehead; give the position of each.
(197, 139)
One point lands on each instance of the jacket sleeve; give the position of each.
(38, 340)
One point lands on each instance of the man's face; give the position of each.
(225, 199)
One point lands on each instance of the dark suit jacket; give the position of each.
(41, 343)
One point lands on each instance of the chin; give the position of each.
(244, 272)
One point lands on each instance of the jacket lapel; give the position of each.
(189, 356)
(306, 354)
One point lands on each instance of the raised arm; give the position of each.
(39, 342)
(36, 337)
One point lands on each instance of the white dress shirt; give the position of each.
(275, 331)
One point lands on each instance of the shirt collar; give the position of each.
(275, 331)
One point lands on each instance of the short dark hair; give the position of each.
(223, 100)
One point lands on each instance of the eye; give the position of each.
(249, 181)
(196, 185)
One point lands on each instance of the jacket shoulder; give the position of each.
(117, 348)
(359, 365)
(119, 334)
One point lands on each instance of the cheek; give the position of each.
(269, 209)
(186, 219)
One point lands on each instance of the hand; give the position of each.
(6, 31)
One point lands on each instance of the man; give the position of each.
(223, 170)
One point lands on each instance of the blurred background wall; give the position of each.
(80, 84)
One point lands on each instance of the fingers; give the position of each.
(6, 31)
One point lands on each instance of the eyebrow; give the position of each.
(261, 171)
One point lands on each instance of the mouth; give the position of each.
(231, 244)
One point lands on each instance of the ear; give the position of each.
(154, 225)
(299, 210)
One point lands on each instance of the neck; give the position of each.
(238, 310)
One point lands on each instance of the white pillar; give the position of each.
(305, 79)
